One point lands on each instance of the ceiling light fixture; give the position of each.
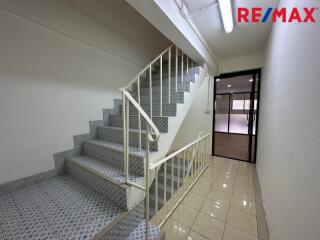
(226, 14)
(251, 80)
(229, 85)
(218, 80)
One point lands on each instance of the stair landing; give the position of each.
(59, 208)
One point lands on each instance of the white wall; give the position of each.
(288, 160)
(58, 69)
(241, 63)
(196, 120)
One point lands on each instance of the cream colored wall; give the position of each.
(58, 69)
(289, 136)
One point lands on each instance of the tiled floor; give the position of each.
(221, 205)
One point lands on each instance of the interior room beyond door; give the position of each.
(236, 109)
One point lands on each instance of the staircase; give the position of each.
(109, 202)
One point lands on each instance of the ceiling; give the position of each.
(236, 84)
(246, 38)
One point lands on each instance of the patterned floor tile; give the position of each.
(139, 232)
(60, 208)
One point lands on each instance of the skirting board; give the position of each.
(59, 159)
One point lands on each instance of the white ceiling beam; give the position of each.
(166, 17)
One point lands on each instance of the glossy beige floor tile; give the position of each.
(228, 170)
(195, 236)
(220, 205)
(185, 215)
(205, 182)
(232, 233)
(215, 209)
(200, 190)
(243, 221)
(220, 196)
(244, 193)
(209, 227)
(194, 200)
(244, 205)
(174, 230)
(223, 186)
(243, 184)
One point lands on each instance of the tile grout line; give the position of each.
(199, 211)
(247, 214)
(225, 226)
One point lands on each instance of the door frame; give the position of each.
(256, 72)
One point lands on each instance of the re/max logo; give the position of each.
(258, 14)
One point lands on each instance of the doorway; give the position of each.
(236, 115)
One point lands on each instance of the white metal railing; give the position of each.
(185, 166)
(143, 121)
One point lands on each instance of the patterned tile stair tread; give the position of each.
(140, 231)
(59, 208)
(103, 169)
(119, 147)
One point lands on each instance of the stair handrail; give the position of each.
(194, 152)
(199, 151)
(144, 115)
(147, 67)
(159, 163)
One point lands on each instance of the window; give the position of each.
(243, 104)
(237, 104)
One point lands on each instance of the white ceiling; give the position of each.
(246, 38)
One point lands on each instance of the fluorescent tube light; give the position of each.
(226, 13)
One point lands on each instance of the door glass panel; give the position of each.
(222, 111)
(239, 114)
(235, 117)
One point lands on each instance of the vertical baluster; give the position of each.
(169, 76)
(165, 182)
(176, 69)
(181, 67)
(204, 151)
(178, 161)
(150, 90)
(202, 156)
(192, 166)
(197, 158)
(208, 156)
(156, 191)
(189, 159)
(139, 115)
(187, 64)
(184, 166)
(146, 175)
(172, 177)
(161, 86)
(124, 124)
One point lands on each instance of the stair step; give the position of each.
(125, 224)
(114, 134)
(184, 87)
(175, 98)
(102, 178)
(161, 122)
(168, 109)
(139, 232)
(112, 154)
